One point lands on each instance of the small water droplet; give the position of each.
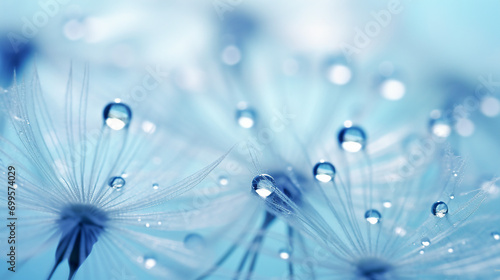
(439, 209)
(284, 254)
(117, 115)
(339, 74)
(245, 117)
(148, 225)
(495, 235)
(324, 172)
(116, 183)
(194, 242)
(450, 250)
(139, 219)
(352, 139)
(159, 223)
(387, 204)
(452, 196)
(421, 252)
(156, 186)
(263, 185)
(425, 241)
(372, 216)
(149, 262)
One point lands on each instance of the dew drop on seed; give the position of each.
(421, 252)
(452, 196)
(439, 209)
(387, 204)
(156, 186)
(117, 115)
(425, 242)
(495, 235)
(284, 254)
(352, 139)
(263, 185)
(324, 172)
(116, 183)
(245, 117)
(450, 250)
(372, 216)
(149, 262)
(194, 242)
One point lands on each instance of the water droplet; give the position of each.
(425, 241)
(439, 209)
(387, 204)
(116, 183)
(324, 172)
(400, 231)
(452, 196)
(156, 186)
(159, 223)
(149, 262)
(223, 180)
(495, 235)
(263, 185)
(245, 117)
(439, 126)
(139, 219)
(117, 115)
(450, 250)
(284, 254)
(421, 252)
(392, 89)
(372, 216)
(194, 242)
(352, 139)
(148, 225)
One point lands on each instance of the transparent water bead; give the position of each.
(372, 216)
(324, 172)
(425, 241)
(284, 254)
(117, 115)
(439, 209)
(352, 139)
(116, 183)
(245, 117)
(194, 242)
(263, 185)
(495, 235)
(223, 180)
(156, 186)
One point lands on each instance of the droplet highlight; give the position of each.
(117, 115)
(352, 139)
(439, 209)
(324, 172)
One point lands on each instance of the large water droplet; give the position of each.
(439, 209)
(245, 117)
(352, 139)
(495, 235)
(372, 216)
(425, 241)
(263, 185)
(324, 172)
(116, 183)
(284, 254)
(117, 115)
(194, 242)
